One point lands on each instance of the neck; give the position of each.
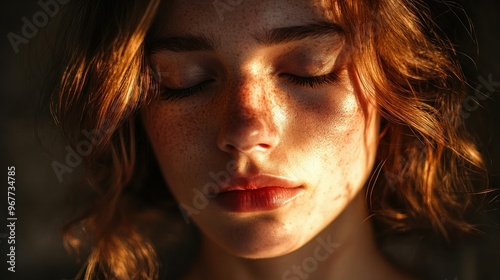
(345, 249)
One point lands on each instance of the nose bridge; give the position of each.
(251, 105)
(249, 98)
(251, 83)
(249, 123)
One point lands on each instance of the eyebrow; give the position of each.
(294, 33)
(182, 43)
(280, 35)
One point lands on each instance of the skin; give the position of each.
(252, 118)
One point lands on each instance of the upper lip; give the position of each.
(258, 182)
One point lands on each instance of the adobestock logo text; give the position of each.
(40, 19)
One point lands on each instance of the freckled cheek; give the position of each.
(346, 115)
(350, 148)
(346, 133)
(327, 121)
(341, 147)
(330, 136)
(176, 141)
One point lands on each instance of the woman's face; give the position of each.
(262, 133)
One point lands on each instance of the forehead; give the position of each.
(232, 17)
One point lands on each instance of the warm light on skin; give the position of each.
(323, 137)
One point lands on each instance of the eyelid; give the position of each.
(305, 81)
(313, 81)
(183, 70)
(167, 93)
(307, 60)
(183, 79)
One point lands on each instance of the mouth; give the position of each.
(258, 193)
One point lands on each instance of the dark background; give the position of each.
(41, 206)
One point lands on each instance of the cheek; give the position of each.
(168, 139)
(338, 140)
(327, 125)
(179, 143)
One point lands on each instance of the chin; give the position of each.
(260, 249)
(259, 237)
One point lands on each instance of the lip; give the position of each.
(258, 193)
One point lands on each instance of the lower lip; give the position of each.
(263, 199)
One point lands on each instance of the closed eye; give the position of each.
(179, 93)
(312, 81)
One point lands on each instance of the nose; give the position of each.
(249, 125)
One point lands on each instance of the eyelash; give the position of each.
(312, 82)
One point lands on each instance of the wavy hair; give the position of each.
(427, 162)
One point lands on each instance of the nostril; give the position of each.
(231, 148)
(264, 146)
